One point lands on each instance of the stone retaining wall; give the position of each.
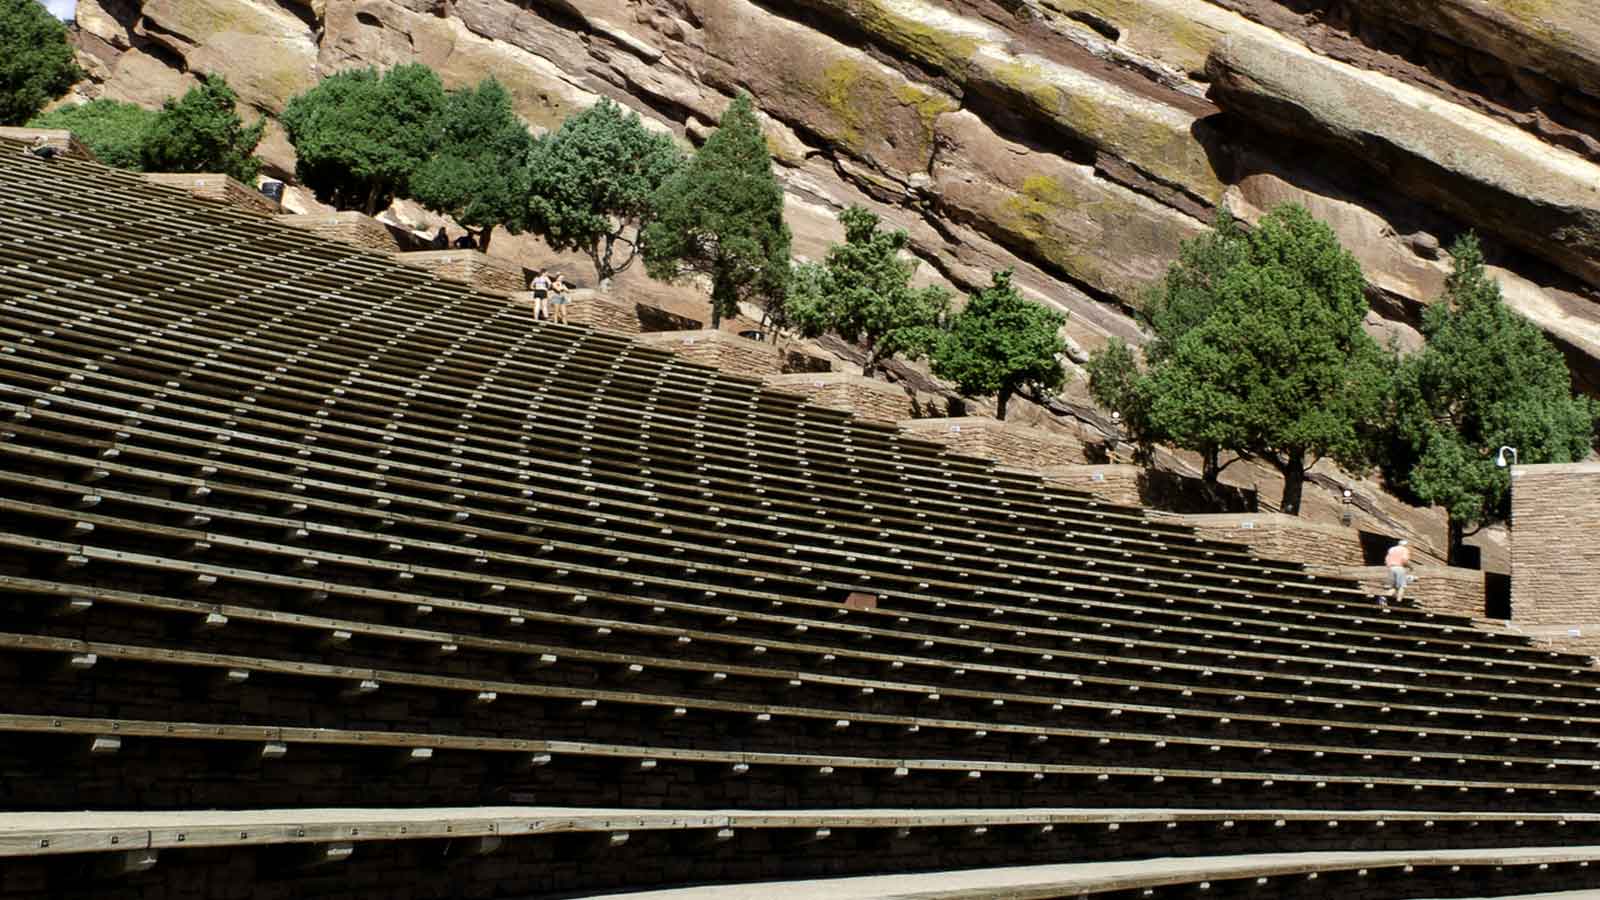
(1440, 589)
(1007, 442)
(485, 273)
(1555, 544)
(590, 307)
(868, 398)
(728, 352)
(1120, 484)
(1277, 536)
(219, 188)
(349, 227)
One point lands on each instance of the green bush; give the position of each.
(202, 132)
(1000, 344)
(359, 136)
(114, 131)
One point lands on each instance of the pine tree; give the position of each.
(862, 292)
(721, 216)
(202, 132)
(477, 172)
(1270, 360)
(592, 185)
(1486, 378)
(1002, 343)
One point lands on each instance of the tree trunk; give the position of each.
(1210, 465)
(1000, 403)
(1294, 484)
(1458, 538)
(483, 236)
(372, 199)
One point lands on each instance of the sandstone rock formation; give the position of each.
(1075, 141)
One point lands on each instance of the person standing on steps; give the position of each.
(1399, 562)
(540, 285)
(558, 299)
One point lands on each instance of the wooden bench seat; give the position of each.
(1036, 613)
(293, 551)
(303, 495)
(1268, 874)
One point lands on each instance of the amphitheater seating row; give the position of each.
(320, 574)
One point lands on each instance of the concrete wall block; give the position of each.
(486, 273)
(718, 349)
(1006, 442)
(349, 227)
(1278, 536)
(1555, 560)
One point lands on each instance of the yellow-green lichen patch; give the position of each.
(1151, 29)
(841, 93)
(944, 49)
(928, 105)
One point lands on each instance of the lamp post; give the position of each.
(1500, 458)
(1346, 514)
(1116, 435)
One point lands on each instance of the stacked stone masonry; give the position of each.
(720, 350)
(219, 189)
(1007, 442)
(485, 273)
(1555, 544)
(867, 398)
(590, 307)
(1279, 536)
(1121, 484)
(350, 227)
(1446, 589)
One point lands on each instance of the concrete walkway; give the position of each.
(1042, 882)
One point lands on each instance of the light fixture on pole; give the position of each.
(1500, 458)
(1346, 514)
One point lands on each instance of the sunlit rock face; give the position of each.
(1076, 141)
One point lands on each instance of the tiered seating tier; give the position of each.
(294, 533)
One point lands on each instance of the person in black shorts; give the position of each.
(541, 295)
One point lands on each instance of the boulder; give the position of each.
(1489, 174)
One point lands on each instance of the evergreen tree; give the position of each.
(1002, 343)
(112, 130)
(476, 174)
(1278, 367)
(359, 136)
(862, 292)
(36, 62)
(202, 132)
(721, 216)
(1182, 299)
(1486, 378)
(592, 185)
